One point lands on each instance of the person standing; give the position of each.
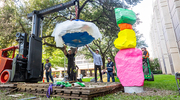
(48, 71)
(97, 62)
(110, 70)
(71, 66)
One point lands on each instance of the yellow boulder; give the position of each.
(126, 39)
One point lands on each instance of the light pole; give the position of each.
(64, 64)
(88, 70)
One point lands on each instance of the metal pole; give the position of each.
(64, 64)
(88, 70)
(41, 27)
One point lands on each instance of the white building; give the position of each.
(165, 34)
(86, 67)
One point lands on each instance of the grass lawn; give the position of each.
(25, 95)
(89, 79)
(164, 82)
(120, 96)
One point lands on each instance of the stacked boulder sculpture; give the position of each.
(129, 58)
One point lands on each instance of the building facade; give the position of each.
(165, 34)
(86, 68)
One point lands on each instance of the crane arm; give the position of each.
(53, 9)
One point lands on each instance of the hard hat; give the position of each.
(97, 49)
(143, 48)
(108, 58)
(69, 49)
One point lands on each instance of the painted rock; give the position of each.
(126, 39)
(129, 67)
(125, 26)
(125, 16)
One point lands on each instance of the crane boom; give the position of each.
(53, 9)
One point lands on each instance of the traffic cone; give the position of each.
(55, 77)
(43, 79)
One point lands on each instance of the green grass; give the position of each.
(89, 79)
(120, 96)
(25, 95)
(166, 82)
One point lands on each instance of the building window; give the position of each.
(79, 58)
(86, 61)
(79, 62)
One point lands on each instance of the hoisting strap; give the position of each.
(76, 9)
(49, 91)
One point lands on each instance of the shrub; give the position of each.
(154, 64)
(157, 72)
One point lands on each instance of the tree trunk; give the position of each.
(103, 60)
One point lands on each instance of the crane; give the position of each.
(27, 66)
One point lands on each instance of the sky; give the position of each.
(1, 3)
(145, 10)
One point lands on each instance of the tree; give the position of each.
(104, 18)
(56, 56)
(100, 12)
(155, 64)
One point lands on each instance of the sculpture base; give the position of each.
(135, 89)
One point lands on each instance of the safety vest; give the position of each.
(110, 66)
(147, 55)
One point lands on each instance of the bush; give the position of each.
(157, 72)
(154, 64)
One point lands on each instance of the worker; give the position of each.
(71, 65)
(48, 70)
(110, 70)
(145, 54)
(97, 62)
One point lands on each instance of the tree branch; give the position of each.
(22, 27)
(81, 8)
(47, 36)
(52, 45)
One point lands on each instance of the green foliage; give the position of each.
(154, 64)
(55, 56)
(13, 19)
(157, 71)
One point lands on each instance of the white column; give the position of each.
(157, 41)
(161, 38)
(170, 35)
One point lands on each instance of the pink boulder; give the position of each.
(129, 67)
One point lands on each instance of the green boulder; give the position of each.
(125, 16)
